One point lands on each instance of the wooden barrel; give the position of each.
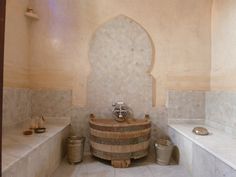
(119, 141)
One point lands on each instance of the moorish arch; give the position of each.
(121, 57)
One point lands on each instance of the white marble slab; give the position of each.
(16, 146)
(221, 110)
(186, 105)
(218, 143)
(185, 147)
(90, 167)
(203, 163)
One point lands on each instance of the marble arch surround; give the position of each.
(121, 57)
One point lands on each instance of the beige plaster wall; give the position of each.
(223, 45)
(16, 59)
(180, 30)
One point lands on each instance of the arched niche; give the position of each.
(121, 57)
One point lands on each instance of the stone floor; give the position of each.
(92, 167)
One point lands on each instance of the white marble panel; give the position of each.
(19, 169)
(90, 167)
(186, 105)
(133, 171)
(16, 106)
(212, 155)
(218, 143)
(221, 110)
(52, 103)
(168, 171)
(185, 147)
(203, 163)
(38, 154)
(223, 170)
(120, 56)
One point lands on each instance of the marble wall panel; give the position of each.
(16, 105)
(185, 148)
(223, 170)
(203, 163)
(120, 56)
(215, 108)
(186, 105)
(51, 103)
(80, 124)
(221, 110)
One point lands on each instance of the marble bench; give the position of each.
(36, 155)
(205, 156)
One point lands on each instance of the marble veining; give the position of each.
(120, 56)
(221, 110)
(214, 108)
(218, 143)
(185, 147)
(18, 149)
(16, 106)
(51, 102)
(223, 170)
(206, 164)
(203, 163)
(186, 105)
(90, 167)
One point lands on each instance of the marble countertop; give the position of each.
(15, 145)
(218, 143)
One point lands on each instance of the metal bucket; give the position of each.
(75, 149)
(164, 150)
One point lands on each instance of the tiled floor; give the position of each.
(91, 167)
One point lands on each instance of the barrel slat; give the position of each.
(119, 129)
(119, 135)
(120, 148)
(116, 141)
(123, 141)
(118, 156)
(114, 123)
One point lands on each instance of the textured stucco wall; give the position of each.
(16, 95)
(16, 52)
(221, 101)
(180, 30)
(223, 45)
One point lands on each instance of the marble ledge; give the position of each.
(16, 146)
(218, 143)
(218, 125)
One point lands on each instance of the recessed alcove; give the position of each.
(121, 57)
